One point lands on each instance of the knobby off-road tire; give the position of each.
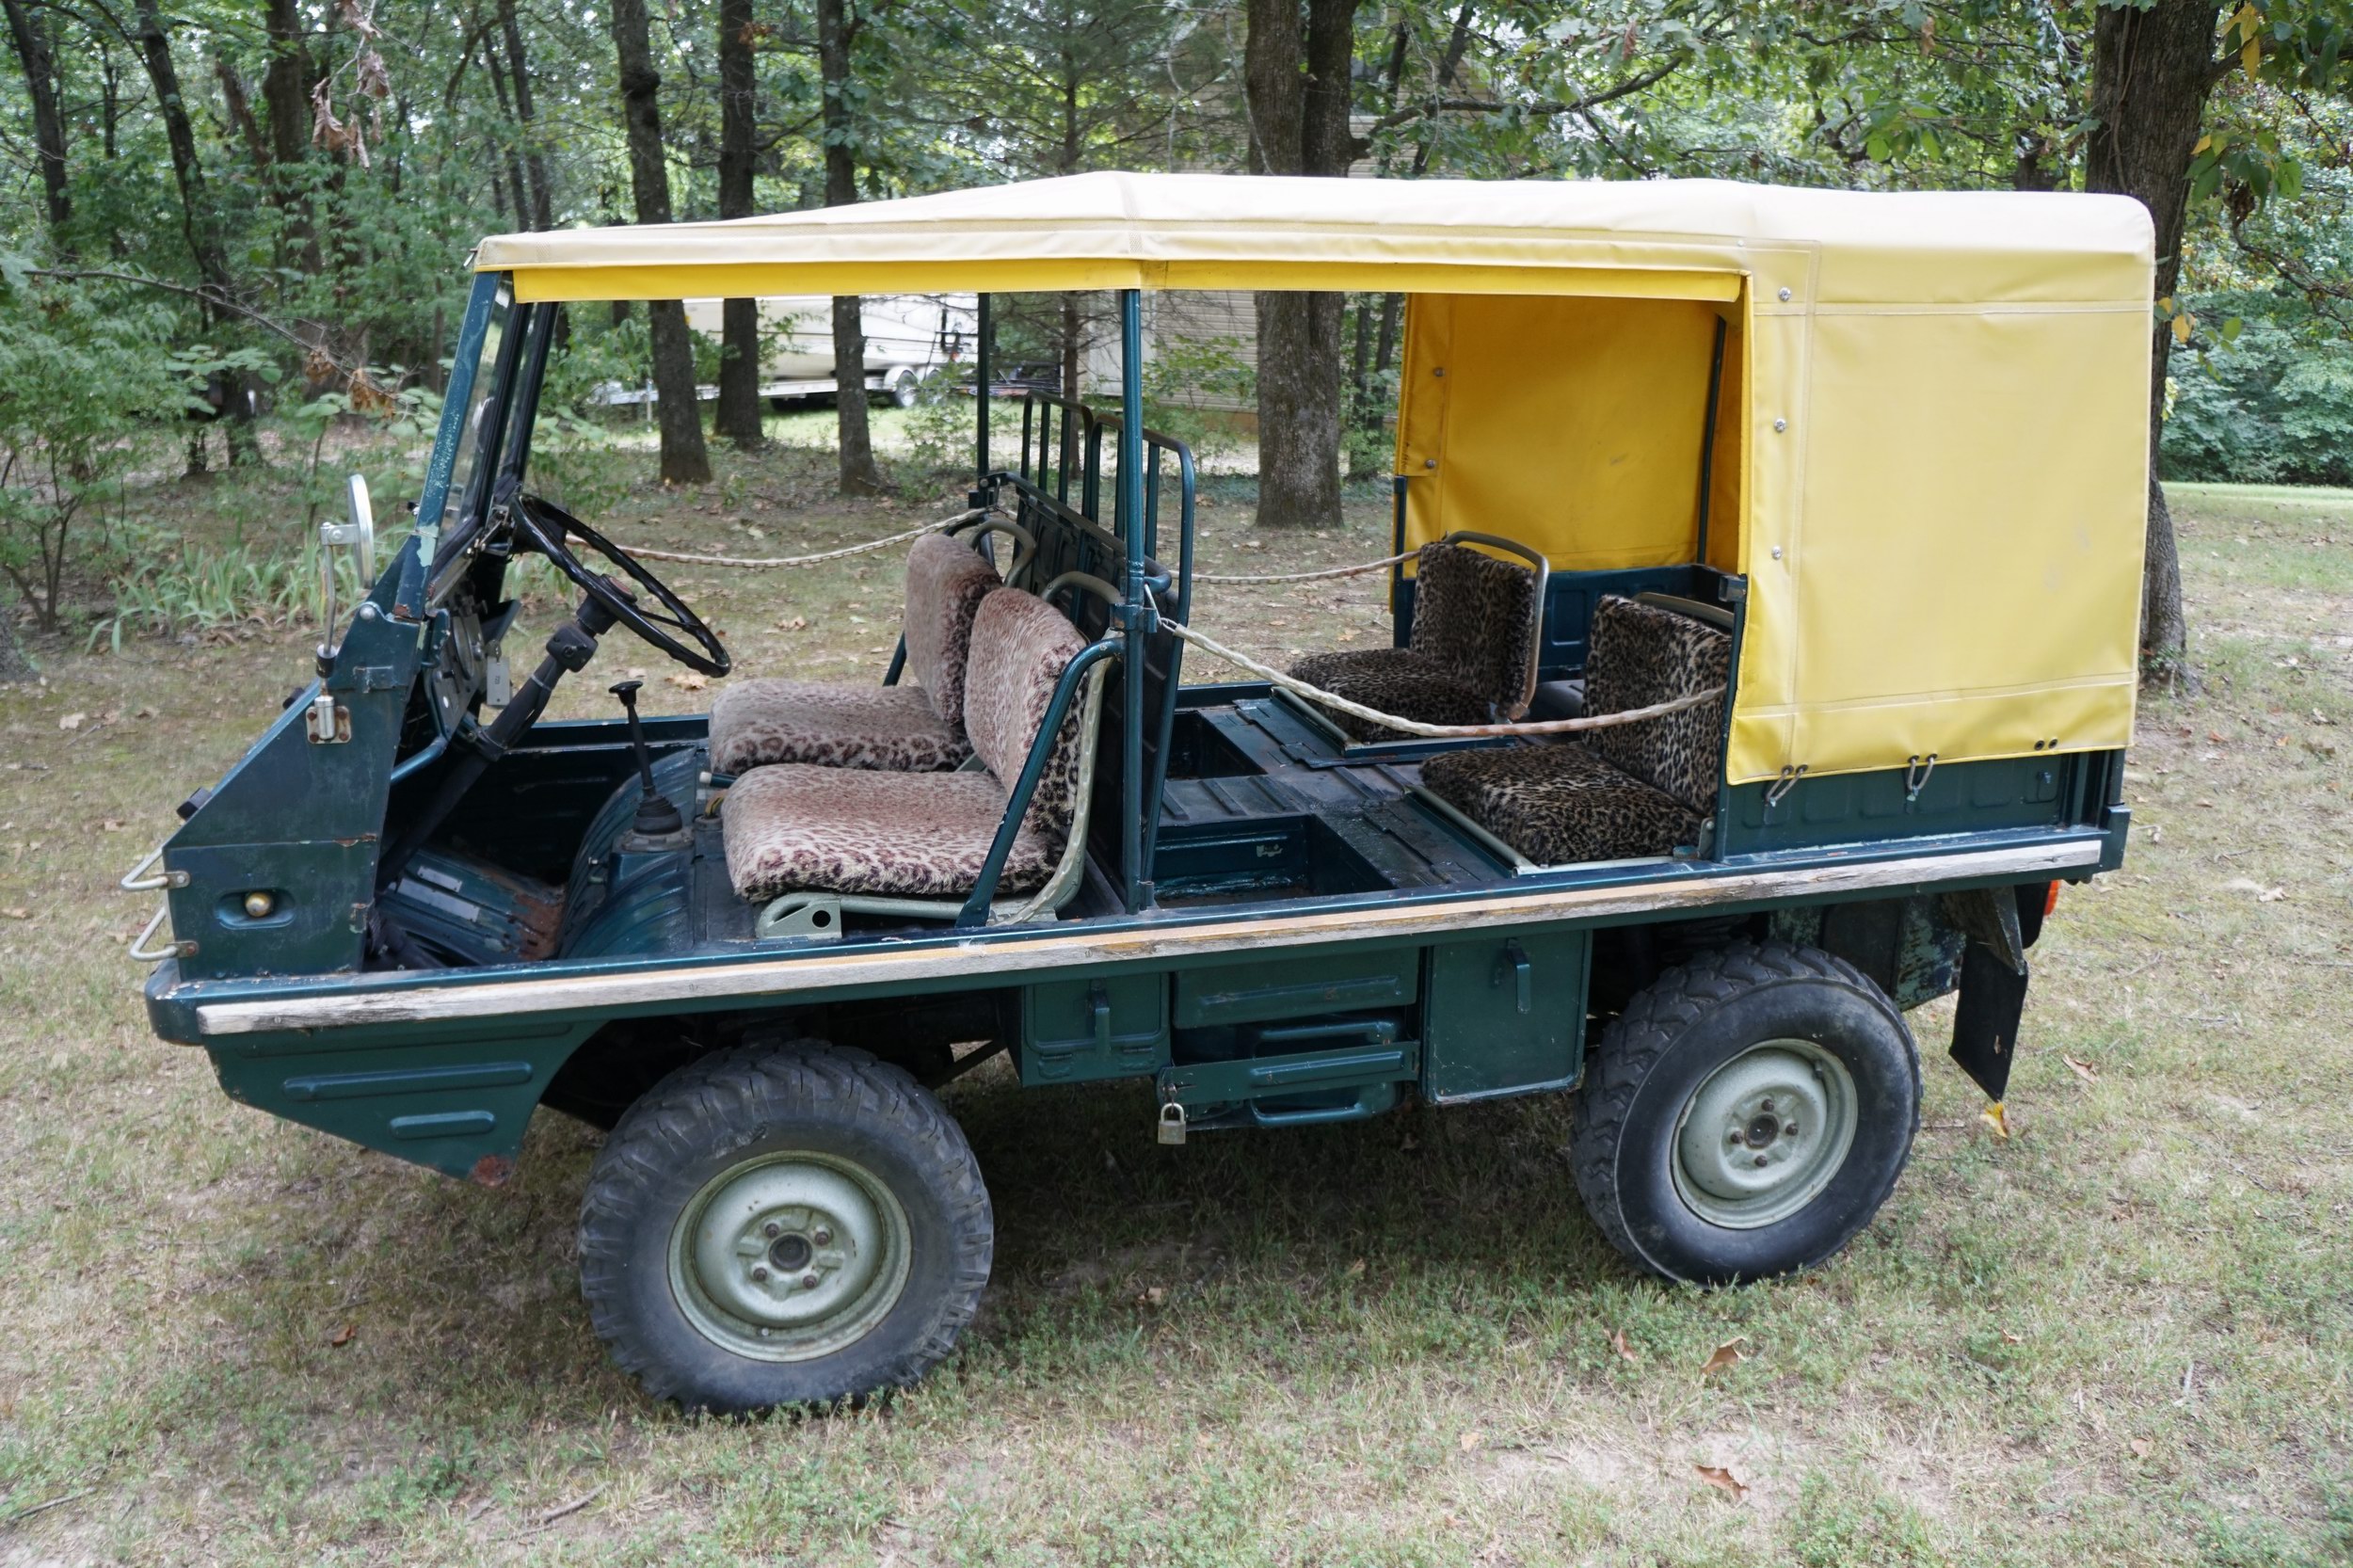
(1747, 1114)
(783, 1226)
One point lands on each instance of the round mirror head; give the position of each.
(362, 529)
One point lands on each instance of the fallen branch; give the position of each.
(204, 294)
(24, 1514)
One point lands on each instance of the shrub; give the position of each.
(81, 378)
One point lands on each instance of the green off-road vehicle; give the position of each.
(1764, 659)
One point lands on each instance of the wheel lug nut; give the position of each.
(1789, 1131)
(821, 1236)
(1764, 1105)
(1760, 1160)
(772, 1230)
(1734, 1136)
(809, 1282)
(759, 1273)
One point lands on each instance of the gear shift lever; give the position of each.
(656, 816)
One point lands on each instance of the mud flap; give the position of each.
(1985, 1022)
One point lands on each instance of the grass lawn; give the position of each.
(2123, 1335)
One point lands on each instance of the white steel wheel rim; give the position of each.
(790, 1256)
(1763, 1134)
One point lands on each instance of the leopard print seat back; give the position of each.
(1020, 646)
(947, 579)
(1643, 654)
(1476, 617)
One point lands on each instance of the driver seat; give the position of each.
(905, 729)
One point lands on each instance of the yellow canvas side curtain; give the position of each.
(1931, 450)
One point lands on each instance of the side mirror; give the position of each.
(357, 533)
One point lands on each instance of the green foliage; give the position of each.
(175, 587)
(83, 379)
(1183, 373)
(2268, 410)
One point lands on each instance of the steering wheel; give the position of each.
(548, 528)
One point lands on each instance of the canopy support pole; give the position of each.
(982, 355)
(1708, 439)
(1134, 612)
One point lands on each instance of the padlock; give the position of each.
(1171, 1123)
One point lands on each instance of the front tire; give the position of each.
(1747, 1114)
(783, 1226)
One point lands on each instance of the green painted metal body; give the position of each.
(1277, 928)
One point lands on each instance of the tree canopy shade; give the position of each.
(326, 163)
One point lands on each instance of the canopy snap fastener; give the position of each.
(1781, 785)
(1916, 776)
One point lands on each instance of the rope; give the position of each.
(762, 562)
(1437, 731)
(1305, 576)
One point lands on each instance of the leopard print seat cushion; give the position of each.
(1643, 654)
(893, 729)
(925, 835)
(1395, 680)
(910, 728)
(1466, 660)
(1020, 646)
(899, 835)
(1557, 803)
(947, 579)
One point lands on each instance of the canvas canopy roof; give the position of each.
(1930, 451)
(1691, 238)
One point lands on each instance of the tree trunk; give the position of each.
(739, 367)
(534, 157)
(195, 223)
(2151, 73)
(836, 31)
(683, 459)
(514, 180)
(1299, 125)
(195, 215)
(40, 86)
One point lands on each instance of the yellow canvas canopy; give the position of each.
(1930, 456)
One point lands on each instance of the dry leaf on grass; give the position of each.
(15, 913)
(1156, 1295)
(2010, 1338)
(2082, 1069)
(2140, 1447)
(1997, 1118)
(343, 1335)
(687, 680)
(1723, 1479)
(798, 623)
(1471, 1440)
(1617, 1343)
(71, 721)
(1727, 1354)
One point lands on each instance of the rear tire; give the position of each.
(1747, 1114)
(783, 1226)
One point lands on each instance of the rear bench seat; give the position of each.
(1633, 790)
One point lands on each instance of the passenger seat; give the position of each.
(904, 729)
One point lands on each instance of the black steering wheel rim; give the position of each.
(542, 525)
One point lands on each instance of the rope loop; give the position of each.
(763, 563)
(1305, 576)
(1435, 732)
